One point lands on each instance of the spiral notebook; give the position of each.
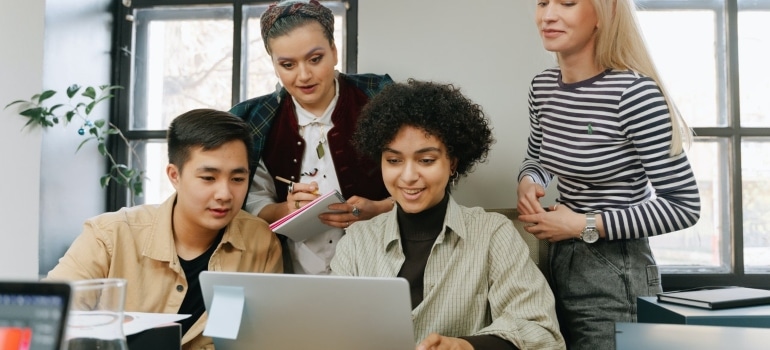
(304, 222)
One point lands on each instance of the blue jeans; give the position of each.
(596, 285)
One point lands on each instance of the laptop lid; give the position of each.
(289, 312)
(33, 315)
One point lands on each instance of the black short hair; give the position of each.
(206, 128)
(441, 110)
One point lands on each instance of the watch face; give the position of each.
(590, 236)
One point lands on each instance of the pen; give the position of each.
(289, 182)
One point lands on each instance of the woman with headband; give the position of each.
(303, 133)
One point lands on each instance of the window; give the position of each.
(179, 55)
(711, 55)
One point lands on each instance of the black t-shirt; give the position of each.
(193, 300)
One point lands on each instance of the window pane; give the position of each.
(756, 203)
(183, 60)
(753, 50)
(259, 75)
(674, 37)
(706, 245)
(154, 157)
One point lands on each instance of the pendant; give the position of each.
(319, 150)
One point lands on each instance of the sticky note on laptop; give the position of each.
(225, 313)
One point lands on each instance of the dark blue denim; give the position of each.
(596, 285)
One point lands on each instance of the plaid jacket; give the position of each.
(260, 111)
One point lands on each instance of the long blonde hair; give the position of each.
(620, 45)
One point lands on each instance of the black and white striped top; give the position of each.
(608, 139)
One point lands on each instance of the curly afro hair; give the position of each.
(438, 109)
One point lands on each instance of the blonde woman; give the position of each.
(604, 125)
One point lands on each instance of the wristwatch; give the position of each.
(589, 233)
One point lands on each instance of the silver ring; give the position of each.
(291, 187)
(355, 211)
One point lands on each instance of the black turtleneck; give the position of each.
(418, 234)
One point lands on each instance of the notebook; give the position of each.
(304, 223)
(717, 297)
(33, 315)
(289, 312)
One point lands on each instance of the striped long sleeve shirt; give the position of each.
(607, 139)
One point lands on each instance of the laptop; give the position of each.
(289, 312)
(33, 315)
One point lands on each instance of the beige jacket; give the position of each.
(137, 244)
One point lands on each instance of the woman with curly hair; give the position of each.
(471, 281)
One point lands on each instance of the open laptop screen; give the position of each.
(33, 315)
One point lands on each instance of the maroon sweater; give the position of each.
(284, 148)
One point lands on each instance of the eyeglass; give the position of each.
(310, 173)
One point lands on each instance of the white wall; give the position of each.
(77, 45)
(21, 69)
(489, 48)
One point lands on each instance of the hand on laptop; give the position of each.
(435, 341)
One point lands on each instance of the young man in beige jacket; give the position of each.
(161, 249)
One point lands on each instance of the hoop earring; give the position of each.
(454, 177)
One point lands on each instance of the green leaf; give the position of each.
(99, 123)
(84, 142)
(93, 131)
(72, 90)
(106, 88)
(90, 93)
(105, 180)
(46, 95)
(54, 107)
(37, 112)
(102, 149)
(102, 98)
(15, 102)
(112, 131)
(137, 186)
(90, 107)
(69, 116)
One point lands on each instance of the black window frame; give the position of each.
(729, 103)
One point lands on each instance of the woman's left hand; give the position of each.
(435, 341)
(355, 209)
(556, 225)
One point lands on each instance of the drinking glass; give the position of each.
(96, 315)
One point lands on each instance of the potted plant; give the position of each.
(42, 113)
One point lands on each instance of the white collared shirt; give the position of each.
(314, 255)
